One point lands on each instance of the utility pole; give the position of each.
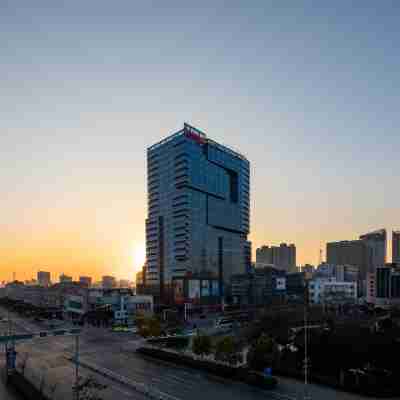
(76, 367)
(306, 395)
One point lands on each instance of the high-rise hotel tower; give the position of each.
(198, 210)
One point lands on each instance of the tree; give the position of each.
(89, 388)
(154, 327)
(225, 350)
(261, 354)
(201, 345)
(150, 327)
(140, 320)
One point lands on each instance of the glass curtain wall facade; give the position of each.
(198, 210)
(396, 247)
(376, 244)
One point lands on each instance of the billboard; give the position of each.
(214, 288)
(205, 288)
(280, 283)
(194, 134)
(178, 291)
(193, 289)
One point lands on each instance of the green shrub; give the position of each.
(201, 345)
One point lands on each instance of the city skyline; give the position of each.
(308, 94)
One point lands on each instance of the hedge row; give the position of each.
(366, 386)
(225, 371)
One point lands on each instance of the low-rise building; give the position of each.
(65, 278)
(262, 285)
(87, 280)
(124, 283)
(43, 278)
(331, 291)
(387, 286)
(340, 292)
(53, 297)
(108, 282)
(124, 304)
(295, 285)
(241, 286)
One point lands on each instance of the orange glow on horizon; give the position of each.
(139, 256)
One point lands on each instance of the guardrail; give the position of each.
(140, 387)
(40, 335)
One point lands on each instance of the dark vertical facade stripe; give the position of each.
(221, 265)
(161, 255)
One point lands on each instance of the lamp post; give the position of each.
(76, 367)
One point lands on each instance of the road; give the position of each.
(115, 352)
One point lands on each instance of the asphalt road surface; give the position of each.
(115, 352)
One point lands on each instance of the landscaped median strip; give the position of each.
(140, 387)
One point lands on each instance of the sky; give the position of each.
(307, 90)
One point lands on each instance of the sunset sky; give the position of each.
(308, 91)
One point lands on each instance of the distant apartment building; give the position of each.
(347, 273)
(124, 283)
(376, 244)
(325, 270)
(331, 291)
(348, 252)
(108, 282)
(198, 212)
(43, 278)
(282, 256)
(387, 281)
(366, 253)
(65, 278)
(308, 270)
(396, 247)
(87, 280)
(342, 273)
